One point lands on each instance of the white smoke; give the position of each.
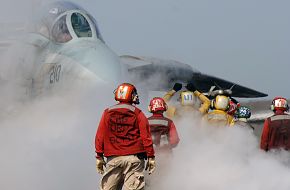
(223, 158)
(48, 142)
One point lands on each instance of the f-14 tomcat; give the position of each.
(67, 44)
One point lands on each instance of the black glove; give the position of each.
(177, 87)
(191, 87)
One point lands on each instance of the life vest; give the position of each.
(279, 131)
(122, 135)
(159, 128)
(219, 118)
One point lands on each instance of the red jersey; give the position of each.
(123, 130)
(276, 132)
(163, 131)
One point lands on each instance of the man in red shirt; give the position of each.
(124, 138)
(165, 138)
(163, 131)
(276, 131)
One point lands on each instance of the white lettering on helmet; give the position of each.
(122, 92)
(281, 103)
(157, 104)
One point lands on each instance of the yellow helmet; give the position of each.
(186, 98)
(221, 102)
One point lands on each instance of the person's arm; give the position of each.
(205, 102)
(167, 97)
(99, 139)
(171, 109)
(145, 134)
(170, 94)
(173, 135)
(265, 136)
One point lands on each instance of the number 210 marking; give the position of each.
(55, 74)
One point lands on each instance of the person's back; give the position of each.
(164, 136)
(124, 138)
(219, 116)
(163, 130)
(187, 103)
(276, 131)
(121, 136)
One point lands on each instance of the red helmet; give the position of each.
(157, 104)
(126, 92)
(279, 103)
(233, 107)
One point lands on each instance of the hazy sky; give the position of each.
(48, 143)
(244, 41)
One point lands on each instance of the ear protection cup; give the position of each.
(149, 109)
(228, 105)
(166, 107)
(272, 107)
(212, 104)
(227, 108)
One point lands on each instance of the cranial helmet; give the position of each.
(234, 105)
(243, 112)
(279, 103)
(187, 98)
(157, 104)
(126, 92)
(220, 102)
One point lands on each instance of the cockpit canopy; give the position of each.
(64, 21)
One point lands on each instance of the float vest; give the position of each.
(159, 128)
(279, 131)
(122, 135)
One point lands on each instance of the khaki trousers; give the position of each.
(123, 172)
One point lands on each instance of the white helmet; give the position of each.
(187, 98)
(220, 102)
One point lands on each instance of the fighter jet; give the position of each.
(171, 71)
(68, 45)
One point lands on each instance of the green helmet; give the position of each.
(243, 112)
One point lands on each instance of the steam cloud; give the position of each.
(48, 142)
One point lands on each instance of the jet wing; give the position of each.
(147, 70)
(260, 111)
(204, 82)
(167, 72)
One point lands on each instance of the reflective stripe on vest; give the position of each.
(217, 117)
(126, 106)
(280, 117)
(158, 122)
